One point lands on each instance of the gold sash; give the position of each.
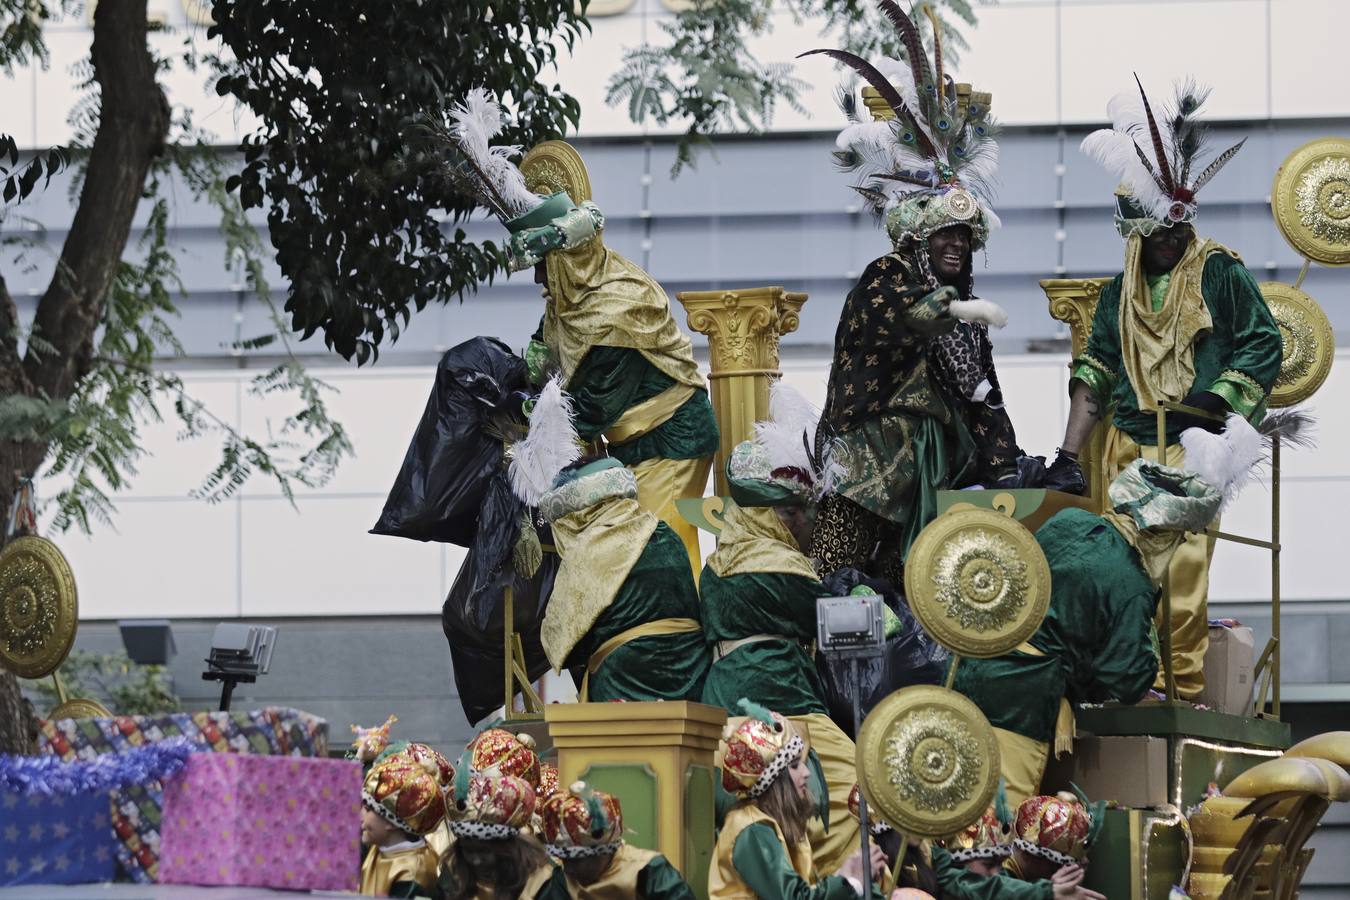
(638, 420)
(646, 629)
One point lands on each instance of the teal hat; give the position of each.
(1163, 498)
(581, 488)
(922, 213)
(753, 481)
(555, 206)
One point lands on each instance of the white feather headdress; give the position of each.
(550, 446)
(789, 439)
(482, 170)
(1227, 461)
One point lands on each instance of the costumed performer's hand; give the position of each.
(986, 311)
(880, 865)
(1210, 403)
(1068, 885)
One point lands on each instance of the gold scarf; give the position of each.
(598, 298)
(1154, 546)
(598, 546)
(1158, 348)
(619, 881)
(754, 539)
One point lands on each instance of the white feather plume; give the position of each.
(1116, 149)
(789, 437)
(986, 311)
(550, 446)
(477, 121)
(1224, 461)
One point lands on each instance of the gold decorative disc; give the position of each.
(1309, 343)
(38, 607)
(80, 708)
(927, 761)
(555, 166)
(1311, 200)
(978, 582)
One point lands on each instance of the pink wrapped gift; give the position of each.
(263, 821)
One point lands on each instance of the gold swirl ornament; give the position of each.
(39, 611)
(1310, 200)
(556, 166)
(978, 582)
(1309, 343)
(927, 761)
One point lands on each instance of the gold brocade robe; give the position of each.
(409, 861)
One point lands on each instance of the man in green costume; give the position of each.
(1185, 321)
(1094, 644)
(607, 327)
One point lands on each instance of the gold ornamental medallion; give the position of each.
(1310, 200)
(1309, 343)
(80, 708)
(556, 166)
(927, 761)
(978, 582)
(38, 608)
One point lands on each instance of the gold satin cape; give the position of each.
(754, 539)
(724, 882)
(380, 870)
(1158, 348)
(598, 547)
(599, 298)
(619, 881)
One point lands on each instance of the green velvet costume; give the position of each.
(659, 880)
(761, 863)
(959, 883)
(611, 380)
(660, 667)
(1238, 359)
(777, 674)
(1095, 636)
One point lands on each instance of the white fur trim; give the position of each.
(986, 311)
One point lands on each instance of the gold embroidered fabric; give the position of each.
(598, 298)
(598, 546)
(754, 539)
(1158, 348)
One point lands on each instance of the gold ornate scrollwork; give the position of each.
(1073, 301)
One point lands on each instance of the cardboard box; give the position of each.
(1228, 670)
(263, 821)
(1132, 771)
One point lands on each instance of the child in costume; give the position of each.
(759, 595)
(1052, 836)
(607, 325)
(584, 830)
(624, 604)
(403, 800)
(762, 849)
(493, 803)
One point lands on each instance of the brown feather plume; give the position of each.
(883, 87)
(1164, 170)
(909, 36)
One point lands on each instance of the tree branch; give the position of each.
(133, 126)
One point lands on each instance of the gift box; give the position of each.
(136, 808)
(1129, 771)
(263, 821)
(1228, 669)
(55, 816)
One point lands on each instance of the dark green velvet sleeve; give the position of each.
(959, 883)
(1099, 366)
(555, 888)
(659, 880)
(1257, 349)
(763, 865)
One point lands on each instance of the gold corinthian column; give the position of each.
(743, 328)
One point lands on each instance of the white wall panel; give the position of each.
(1308, 57)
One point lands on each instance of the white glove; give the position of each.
(985, 311)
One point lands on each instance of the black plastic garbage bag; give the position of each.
(909, 657)
(455, 449)
(477, 653)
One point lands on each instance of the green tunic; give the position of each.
(661, 667)
(764, 867)
(1238, 360)
(959, 883)
(612, 380)
(659, 880)
(1095, 636)
(777, 674)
